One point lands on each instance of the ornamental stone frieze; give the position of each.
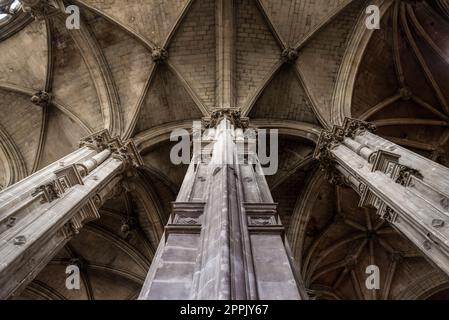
(407, 190)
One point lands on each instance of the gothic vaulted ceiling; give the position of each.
(299, 66)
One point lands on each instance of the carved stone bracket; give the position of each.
(233, 115)
(124, 151)
(97, 141)
(388, 163)
(127, 153)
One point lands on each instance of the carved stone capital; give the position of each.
(353, 127)
(233, 115)
(159, 55)
(290, 55)
(41, 9)
(98, 141)
(126, 152)
(41, 99)
(330, 139)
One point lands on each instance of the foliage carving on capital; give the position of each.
(124, 151)
(234, 115)
(98, 141)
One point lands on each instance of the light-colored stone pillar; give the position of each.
(224, 239)
(411, 192)
(39, 214)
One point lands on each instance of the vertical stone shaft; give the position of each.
(224, 239)
(40, 214)
(219, 276)
(408, 190)
(225, 54)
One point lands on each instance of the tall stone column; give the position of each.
(408, 190)
(224, 239)
(40, 214)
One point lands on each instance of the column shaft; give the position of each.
(224, 239)
(408, 190)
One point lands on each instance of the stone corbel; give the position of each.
(52, 190)
(380, 160)
(353, 127)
